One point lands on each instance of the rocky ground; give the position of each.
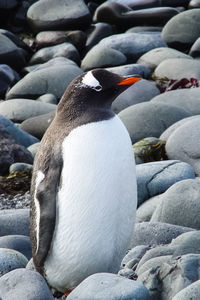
(44, 45)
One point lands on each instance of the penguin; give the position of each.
(83, 189)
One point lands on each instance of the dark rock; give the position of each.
(14, 222)
(8, 77)
(19, 243)
(24, 284)
(47, 15)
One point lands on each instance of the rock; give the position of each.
(66, 50)
(24, 284)
(47, 15)
(38, 125)
(127, 47)
(52, 77)
(10, 260)
(21, 137)
(154, 178)
(19, 110)
(141, 4)
(141, 91)
(183, 68)
(14, 222)
(192, 291)
(147, 208)
(195, 49)
(109, 286)
(20, 167)
(141, 122)
(19, 243)
(153, 263)
(183, 144)
(188, 99)
(175, 32)
(48, 98)
(194, 4)
(155, 56)
(138, 29)
(131, 69)
(149, 149)
(184, 194)
(33, 148)
(156, 233)
(188, 242)
(124, 17)
(166, 134)
(135, 255)
(11, 54)
(51, 38)
(8, 77)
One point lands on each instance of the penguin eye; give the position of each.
(98, 88)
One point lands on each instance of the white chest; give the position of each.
(96, 203)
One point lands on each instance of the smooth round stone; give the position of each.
(146, 209)
(188, 242)
(156, 233)
(153, 263)
(155, 56)
(139, 29)
(195, 49)
(19, 243)
(141, 91)
(182, 68)
(182, 30)
(20, 167)
(33, 148)
(135, 254)
(184, 144)
(124, 17)
(52, 77)
(154, 178)
(184, 194)
(166, 134)
(24, 284)
(48, 98)
(150, 119)
(38, 125)
(192, 291)
(188, 99)
(103, 286)
(194, 4)
(14, 222)
(69, 14)
(66, 50)
(21, 137)
(8, 77)
(132, 69)
(19, 110)
(11, 54)
(51, 38)
(130, 45)
(140, 4)
(11, 259)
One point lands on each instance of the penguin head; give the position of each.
(98, 87)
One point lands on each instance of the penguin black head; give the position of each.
(96, 88)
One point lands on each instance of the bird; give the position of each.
(83, 189)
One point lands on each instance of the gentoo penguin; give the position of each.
(83, 191)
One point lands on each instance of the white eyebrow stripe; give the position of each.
(90, 80)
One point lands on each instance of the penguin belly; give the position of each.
(96, 204)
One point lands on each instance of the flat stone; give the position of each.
(103, 286)
(145, 29)
(155, 178)
(192, 291)
(10, 260)
(20, 136)
(182, 194)
(141, 91)
(182, 68)
(150, 119)
(47, 15)
(24, 284)
(52, 77)
(188, 242)
(14, 222)
(156, 233)
(155, 56)
(20, 243)
(182, 30)
(18, 110)
(184, 144)
(146, 209)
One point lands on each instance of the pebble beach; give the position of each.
(44, 45)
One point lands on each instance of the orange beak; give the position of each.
(129, 81)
